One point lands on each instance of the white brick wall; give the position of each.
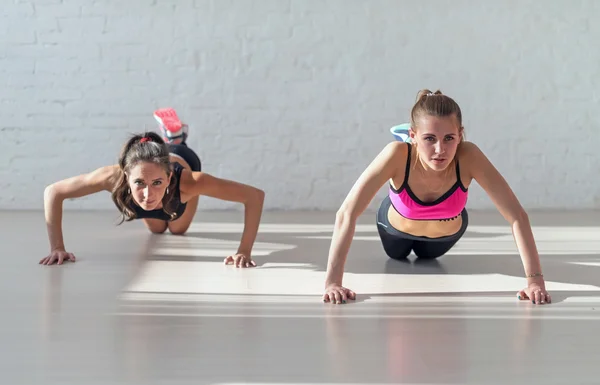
(297, 96)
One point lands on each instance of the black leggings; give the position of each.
(398, 244)
(187, 154)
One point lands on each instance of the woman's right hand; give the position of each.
(57, 256)
(338, 294)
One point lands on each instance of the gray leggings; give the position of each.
(398, 244)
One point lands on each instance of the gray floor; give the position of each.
(141, 309)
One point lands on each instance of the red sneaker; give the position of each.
(173, 131)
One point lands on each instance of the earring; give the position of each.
(167, 190)
(128, 191)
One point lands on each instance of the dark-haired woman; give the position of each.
(158, 181)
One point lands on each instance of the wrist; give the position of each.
(333, 282)
(534, 274)
(57, 248)
(535, 279)
(333, 276)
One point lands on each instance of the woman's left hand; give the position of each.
(536, 292)
(240, 260)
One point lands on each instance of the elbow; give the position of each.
(345, 217)
(256, 196)
(520, 216)
(260, 195)
(49, 192)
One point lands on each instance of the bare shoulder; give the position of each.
(474, 162)
(397, 146)
(109, 176)
(190, 178)
(385, 166)
(396, 150)
(103, 178)
(196, 182)
(469, 157)
(467, 150)
(388, 164)
(397, 157)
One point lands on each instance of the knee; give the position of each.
(178, 231)
(394, 248)
(428, 255)
(393, 254)
(158, 230)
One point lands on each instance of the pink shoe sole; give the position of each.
(167, 117)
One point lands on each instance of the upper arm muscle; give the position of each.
(85, 184)
(200, 183)
(494, 184)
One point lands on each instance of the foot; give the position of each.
(172, 130)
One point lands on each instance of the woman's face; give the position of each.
(437, 140)
(148, 183)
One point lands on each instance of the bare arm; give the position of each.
(75, 187)
(381, 169)
(488, 177)
(201, 183)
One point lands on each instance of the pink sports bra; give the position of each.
(447, 207)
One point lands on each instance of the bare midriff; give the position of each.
(424, 228)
